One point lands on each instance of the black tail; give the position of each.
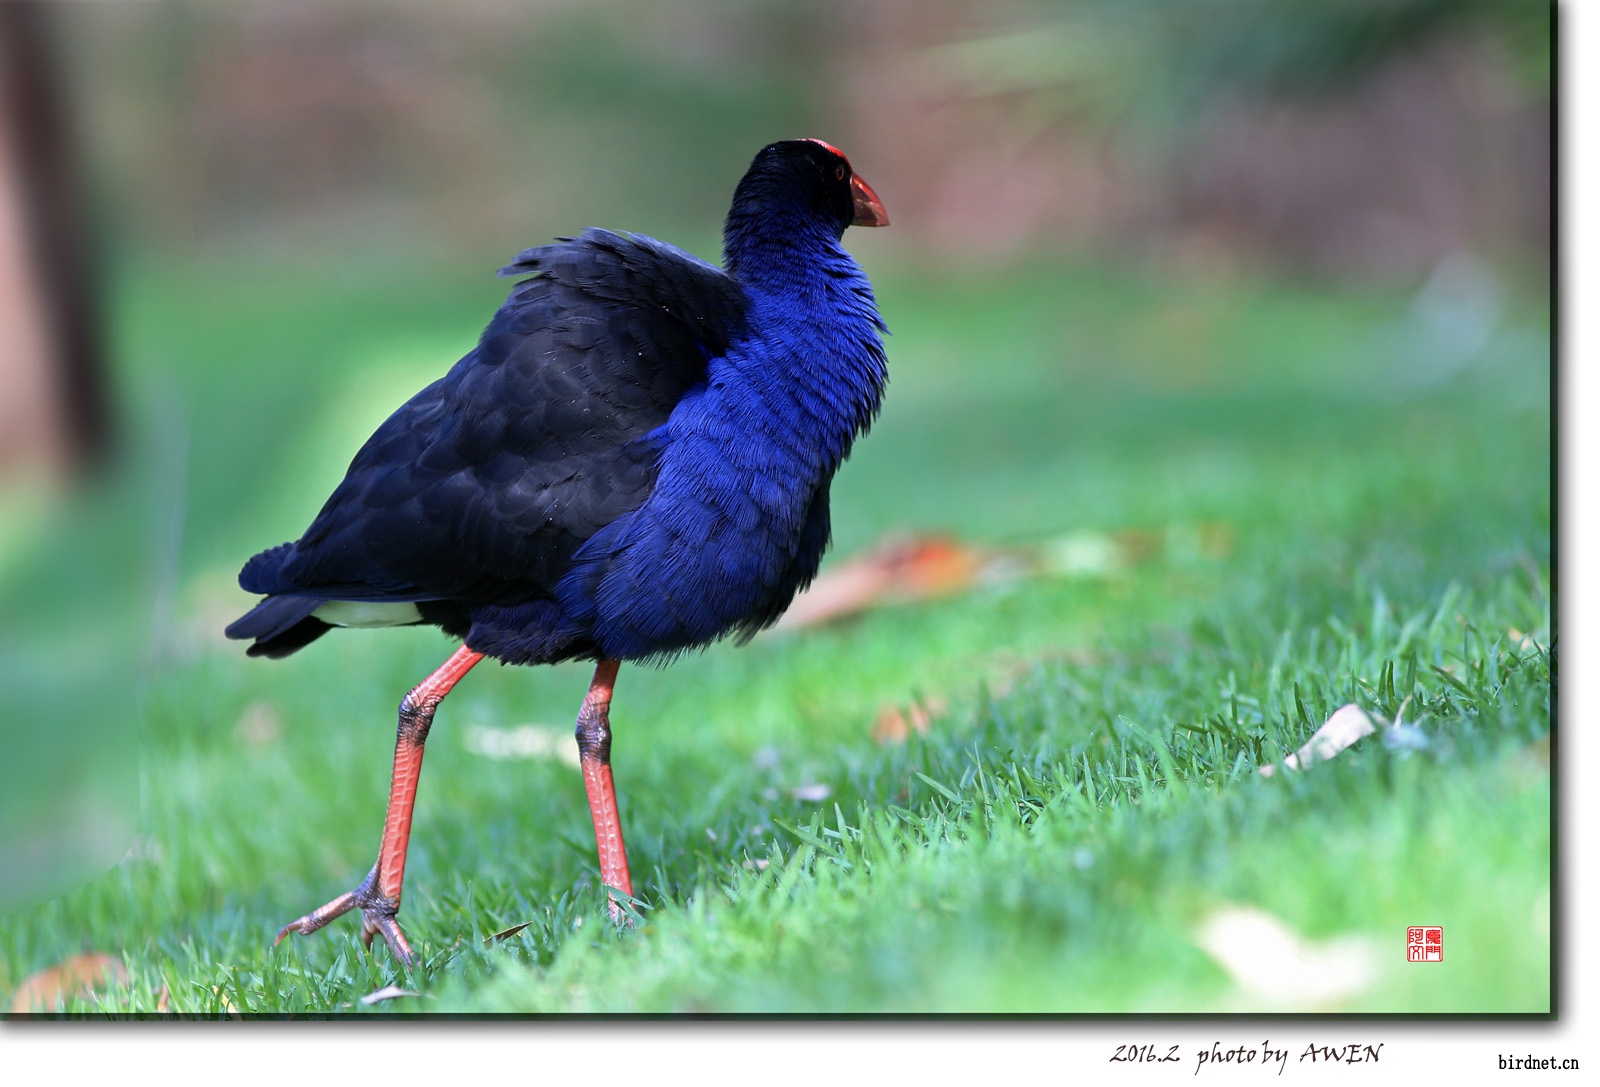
(280, 625)
(260, 574)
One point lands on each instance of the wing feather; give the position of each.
(481, 487)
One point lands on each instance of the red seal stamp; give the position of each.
(1425, 943)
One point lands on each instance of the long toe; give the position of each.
(318, 917)
(379, 923)
(378, 917)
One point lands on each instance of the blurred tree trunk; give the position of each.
(54, 412)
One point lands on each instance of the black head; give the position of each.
(811, 177)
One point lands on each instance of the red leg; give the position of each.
(378, 896)
(594, 753)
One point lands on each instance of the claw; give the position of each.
(392, 935)
(319, 917)
(377, 918)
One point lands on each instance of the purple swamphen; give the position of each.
(633, 462)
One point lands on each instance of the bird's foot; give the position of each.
(378, 917)
(623, 907)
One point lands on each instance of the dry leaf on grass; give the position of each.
(506, 933)
(895, 725)
(1348, 724)
(388, 992)
(921, 567)
(905, 568)
(845, 590)
(1267, 959)
(81, 975)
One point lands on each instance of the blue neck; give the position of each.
(770, 246)
(815, 307)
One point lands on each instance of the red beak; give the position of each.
(868, 208)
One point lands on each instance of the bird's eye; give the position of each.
(838, 172)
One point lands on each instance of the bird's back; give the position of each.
(480, 488)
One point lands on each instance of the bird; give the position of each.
(633, 462)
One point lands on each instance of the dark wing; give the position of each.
(482, 485)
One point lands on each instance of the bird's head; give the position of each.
(812, 177)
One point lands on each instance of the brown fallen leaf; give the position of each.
(920, 567)
(506, 933)
(1348, 724)
(845, 590)
(899, 569)
(935, 566)
(388, 992)
(895, 725)
(81, 975)
(163, 997)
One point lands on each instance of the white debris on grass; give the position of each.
(388, 992)
(522, 742)
(1347, 725)
(1082, 554)
(1270, 961)
(1403, 737)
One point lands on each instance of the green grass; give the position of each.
(1085, 801)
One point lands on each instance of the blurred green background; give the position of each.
(1252, 298)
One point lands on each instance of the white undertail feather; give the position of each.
(356, 613)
